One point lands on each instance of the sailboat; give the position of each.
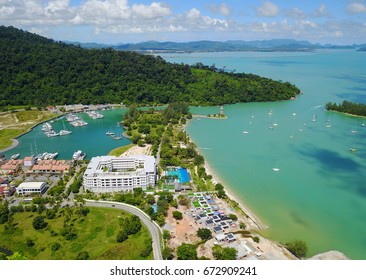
(64, 131)
(110, 133)
(314, 118)
(327, 124)
(276, 168)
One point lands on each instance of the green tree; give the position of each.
(39, 223)
(83, 255)
(177, 215)
(204, 234)
(298, 248)
(167, 253)
(121, 236)
(4, 212)
(224, 253)
(187, 252)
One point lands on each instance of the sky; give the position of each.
(131, 21)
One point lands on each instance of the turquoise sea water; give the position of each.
(319, 194)
(91, 139)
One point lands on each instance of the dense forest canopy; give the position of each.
(38, 71)
(347, 107)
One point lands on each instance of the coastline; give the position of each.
(15, 142)
(255, 221)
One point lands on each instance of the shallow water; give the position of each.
(319, 192)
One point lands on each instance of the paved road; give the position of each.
(154, 229)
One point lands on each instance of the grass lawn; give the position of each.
(12, 124)
(119, 151)
(96, 234)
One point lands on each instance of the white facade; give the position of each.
(113, 174)
(31, 188)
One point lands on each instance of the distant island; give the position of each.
(348, 107)
(275, 45)
(37, 72)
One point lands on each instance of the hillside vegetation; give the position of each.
(38, 71)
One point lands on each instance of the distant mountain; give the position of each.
(211, 46)
(273, 45)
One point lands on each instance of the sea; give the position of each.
(290, 161)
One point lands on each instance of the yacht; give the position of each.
(109, 133)
(46, 127)
(245, 132)
(51, 133)
(275, 169)
(65, 132)
(353, 149)
(117, 137)
(78, 155)
(15, 156)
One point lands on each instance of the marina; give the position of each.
(87, 138)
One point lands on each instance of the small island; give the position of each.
(347, 107)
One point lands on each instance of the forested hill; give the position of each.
(37, 71)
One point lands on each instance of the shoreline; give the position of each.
(216, 179)
(15, 142)
(249, 214)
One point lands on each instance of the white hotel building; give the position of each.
(114, 174)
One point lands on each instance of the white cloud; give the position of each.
(154, 10)
(268, 9)
(322, 11)
(221, 9)
(356, 8)
(294, 13)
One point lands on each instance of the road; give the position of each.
(153, 228)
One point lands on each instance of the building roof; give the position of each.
(31, 185)
(95, 163)
(220, 237)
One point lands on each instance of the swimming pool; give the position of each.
(182, 174)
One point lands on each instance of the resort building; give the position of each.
(11, 166)
(114, 174)
(26, 188)
(51, 166)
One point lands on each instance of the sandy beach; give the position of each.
(255, 222)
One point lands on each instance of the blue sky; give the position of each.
(128, 21)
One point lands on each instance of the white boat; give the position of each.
(271, 127)
(65, 132)
(353, 149)
(117, 137)
(363, 124)
(275, 169)
(51, 133)
(327, 124)
(110, 133)
(78, 155)
(245, 132)
(15, 156)
(354, 130)
(47, 127)
(314, 118)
